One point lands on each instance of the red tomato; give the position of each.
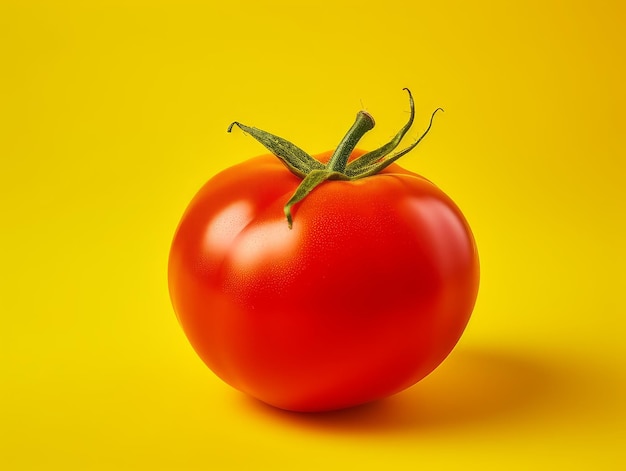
(366, 294)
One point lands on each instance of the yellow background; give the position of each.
(114, 113)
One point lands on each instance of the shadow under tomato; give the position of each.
(472, 386)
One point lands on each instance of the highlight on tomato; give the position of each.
(315, 283)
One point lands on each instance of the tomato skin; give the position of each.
(367, 293)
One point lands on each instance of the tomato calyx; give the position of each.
(313, 172)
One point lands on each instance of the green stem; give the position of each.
(338, 161)
(314, 173)
(355, 167)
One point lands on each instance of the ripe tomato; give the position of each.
(363, 296)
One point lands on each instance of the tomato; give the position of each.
(321, 297)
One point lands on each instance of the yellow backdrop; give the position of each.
(114, 113)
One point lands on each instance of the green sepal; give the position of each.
(310, 182)
(366, 160)
(297, 160)
(379, 165)
(314, 172)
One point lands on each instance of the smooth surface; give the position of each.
(366, 293)
(114, 113)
